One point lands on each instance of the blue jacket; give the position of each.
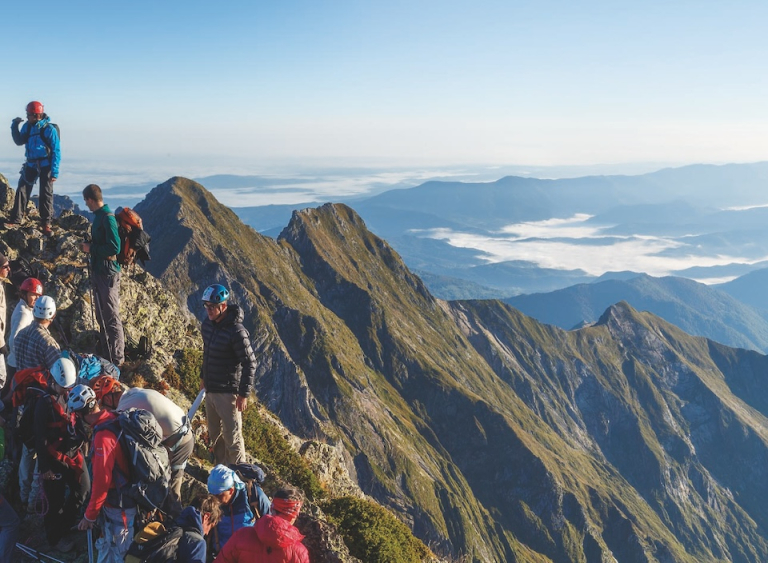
(38, 151)
(192, 547)
(235, 515)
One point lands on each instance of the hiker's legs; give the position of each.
(23, 193)
(108, 296)
(3, 372)
(46, 196)
(27, 468)
(214, 429)
(117, 534)
(54, 524)
(231, 428)
(178, 459)
(9, 530)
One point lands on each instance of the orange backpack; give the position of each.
(134, 240)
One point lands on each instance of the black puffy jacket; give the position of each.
(229, 365)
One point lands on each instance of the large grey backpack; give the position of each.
(141, 438)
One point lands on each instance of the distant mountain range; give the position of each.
(704, 217)
(696, 308)
(495, 437)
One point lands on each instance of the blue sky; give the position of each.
(196, 87)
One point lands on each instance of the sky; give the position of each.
(192, 88)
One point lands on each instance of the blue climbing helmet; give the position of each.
(215, 293)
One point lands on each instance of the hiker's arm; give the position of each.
(244, 351)
(19, 137)
(53, 143)
(102, 464)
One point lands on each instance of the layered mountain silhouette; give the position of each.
(493, 436)
(722, 315)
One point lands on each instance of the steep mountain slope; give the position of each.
(493, 436)
(749, 289)
(696, 308)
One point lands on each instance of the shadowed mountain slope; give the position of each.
(493, 436)
(696, 308)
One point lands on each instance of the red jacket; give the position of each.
(272, 540)
(106, 453)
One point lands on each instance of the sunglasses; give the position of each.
(210, 306)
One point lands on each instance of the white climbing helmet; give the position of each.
(64, 372)
(81, 396)
(45, 308)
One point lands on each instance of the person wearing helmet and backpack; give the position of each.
(41, 138)
(22, 317)
(229, 370)
(178, 437)
(104, 249)
(109, 466)
(59, 436)
(34, 345)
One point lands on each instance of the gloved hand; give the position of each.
(4, 350)
(17, 120)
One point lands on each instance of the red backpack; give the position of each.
(27, 386)
(134, 240)
(25, 379)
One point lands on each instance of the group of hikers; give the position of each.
(96, 457)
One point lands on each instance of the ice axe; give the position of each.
(195, 405)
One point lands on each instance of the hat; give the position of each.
(221, 479)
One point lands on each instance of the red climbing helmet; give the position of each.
(32, 285)
(35, 107)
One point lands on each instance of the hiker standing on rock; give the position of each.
(43, 153)
(229, 369)
(5, 268)
(34, 345)
(105, 271)
(22, 317)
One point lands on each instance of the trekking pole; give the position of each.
(36, 554)
(90, 545)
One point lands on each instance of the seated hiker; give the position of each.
(109, 466)
(274, 538)
(58, 439)
(34, 345)
(22, 317)
(198, 520)
(177, 437)
(9, 530)
(224, 483)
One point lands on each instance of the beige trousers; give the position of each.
(225, 428)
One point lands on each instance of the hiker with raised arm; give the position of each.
(109, 465)
(229, 370)
(178, 438)
(104, 248)
(274, 538)
(34, 345)
(59, 436)
(41, 139)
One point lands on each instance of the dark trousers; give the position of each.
(107, 290)
(64, 507)
(29, 175)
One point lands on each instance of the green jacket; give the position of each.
(105, 242)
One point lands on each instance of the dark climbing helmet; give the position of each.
(35, 107)
(32, 285)
(215, 293)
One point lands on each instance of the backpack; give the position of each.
(134, 240)
(42, 137)
(27, 386)
(253, 476)
(156, 544)
(140, 437)
(92, 366)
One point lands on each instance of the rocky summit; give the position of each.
(494, 437)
